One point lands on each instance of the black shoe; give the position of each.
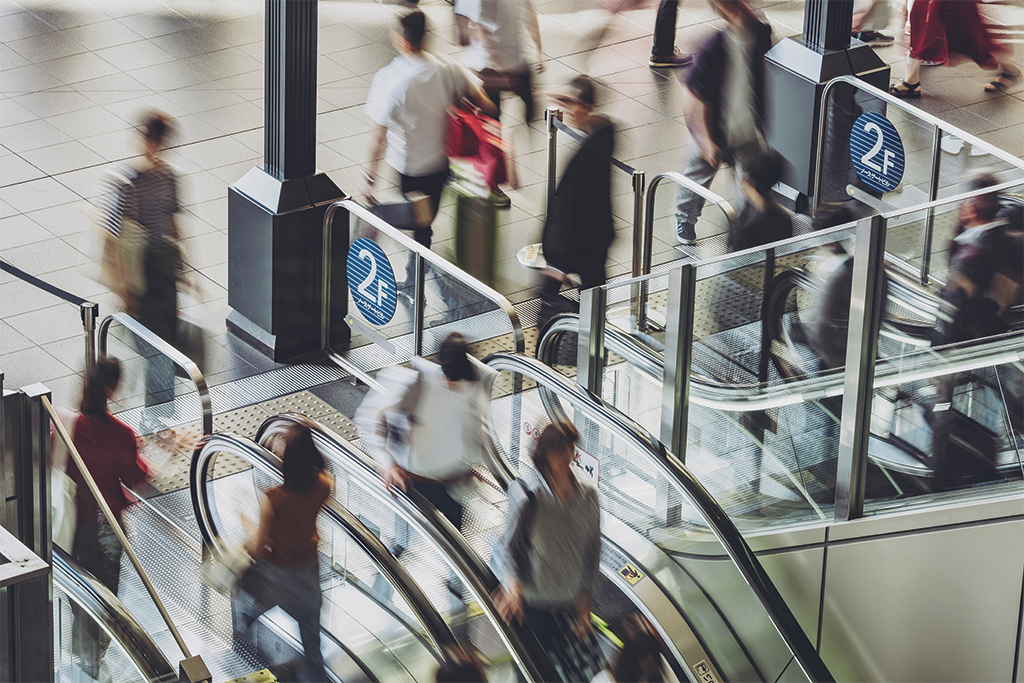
(874, 38)
(500, 199)
(676, 59)
(397, 550)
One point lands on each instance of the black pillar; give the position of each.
(276, 213)
(798, 69)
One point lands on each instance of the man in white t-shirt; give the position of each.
(409, 100)
(495, 49)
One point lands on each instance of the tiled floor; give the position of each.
(77, 74)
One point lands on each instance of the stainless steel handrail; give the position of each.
(999, 351)
(266, 462)
(531, 657)
(675, 472)
(939, 125)
(422, 254)
(104, 608)
(176, 356)
(115, 525)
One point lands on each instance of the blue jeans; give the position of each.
(689, 204)
(296, 590)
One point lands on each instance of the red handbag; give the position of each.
(465, 128)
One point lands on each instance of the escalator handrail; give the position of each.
(374, 549)
(1005, 348)
(176, 356)
(676, 472)
(411, 505)
(103, 607)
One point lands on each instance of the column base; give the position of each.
(275, 263)
(795, 80)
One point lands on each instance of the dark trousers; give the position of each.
(576, 659)
(522, 86)
(158, 311)
(438, 496)
(296, 590)
(431, 185)
(665, 28)
(551, 304)
(97, 550)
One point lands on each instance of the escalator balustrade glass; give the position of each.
(362, 610)
(459, 588)
(654, 509)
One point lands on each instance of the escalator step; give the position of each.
(261, 676)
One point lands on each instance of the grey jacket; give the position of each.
(564, 544)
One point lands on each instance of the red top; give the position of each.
(108, 449)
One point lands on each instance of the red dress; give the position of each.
(947, 31)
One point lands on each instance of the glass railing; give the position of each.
(437, 549)
(161, 388)
(764, 393)
(647, 494)
(373, 609)
(433, 298)
(94, 632)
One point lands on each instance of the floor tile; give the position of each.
(29, 366)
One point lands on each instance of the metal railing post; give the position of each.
(90, 312)
(638, 302)
(933, 193)
(591, 354)
(550, 115)
(675, 396)
(419, 307)
(858, 385)
(325, 281)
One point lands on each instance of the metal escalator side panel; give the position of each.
(595, 410)
(103, 607)
(531, 657)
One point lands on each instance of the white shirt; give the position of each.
(411, 96)
(447, 427)
(501, 21)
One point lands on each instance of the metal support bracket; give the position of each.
(675, 398)
(591, 354)
(861, 349)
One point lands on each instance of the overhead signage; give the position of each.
(371, 281)
(877, 152)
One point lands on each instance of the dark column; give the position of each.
(797, 70)
(275, 213)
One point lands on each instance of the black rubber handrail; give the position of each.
(608, 417)
(103, 607)
(478, 576)
(268, 463)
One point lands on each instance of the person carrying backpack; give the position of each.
(548, 558)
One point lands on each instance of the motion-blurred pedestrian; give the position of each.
(547, 559)
(286, 569)
(639, 660)
(726, 113)
(579, 230)
(948, 32)
(108, 450)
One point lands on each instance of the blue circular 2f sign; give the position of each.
(371, 281)
(877, 152)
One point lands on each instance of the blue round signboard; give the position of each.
(371, 281)
(877, 152)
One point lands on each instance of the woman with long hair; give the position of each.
(109, 451)
(286, 571)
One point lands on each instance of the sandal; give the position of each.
(1001, 83)
(911, 90)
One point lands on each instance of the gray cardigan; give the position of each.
(565, 544)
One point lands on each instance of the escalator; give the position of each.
(711, 602)
(133, 655)
(402, 614)
(772, 456)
